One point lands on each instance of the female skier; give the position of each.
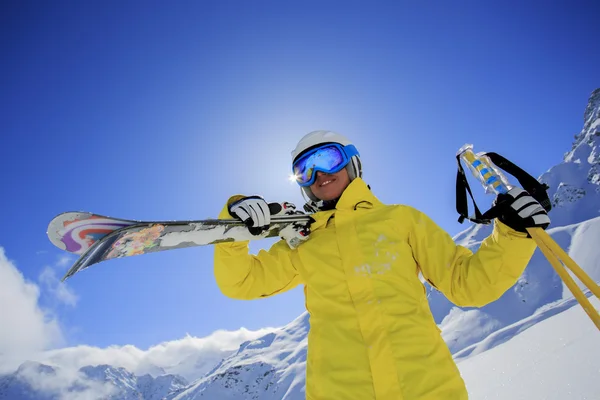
(372, 334)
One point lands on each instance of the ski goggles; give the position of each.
(328, 158)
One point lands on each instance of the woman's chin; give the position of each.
(327, 195)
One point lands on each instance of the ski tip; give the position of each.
(62, 229)
(56, 227)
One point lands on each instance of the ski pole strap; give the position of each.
(536, 189)
(462, 206)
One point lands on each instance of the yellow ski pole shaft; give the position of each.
(494, 181)
(566, 260)
(537, 234)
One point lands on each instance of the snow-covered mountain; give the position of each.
(24, 384)
(269, 368)
(575, 183)
(35, 381)
(533, 343)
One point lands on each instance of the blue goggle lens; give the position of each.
(330, 158)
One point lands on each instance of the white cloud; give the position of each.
(65, 261)
(190, 357)
(26, 328)
(57, 289)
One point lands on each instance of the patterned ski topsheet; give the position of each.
(97, 238)
(76, 232)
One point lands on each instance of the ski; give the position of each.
(96, 238)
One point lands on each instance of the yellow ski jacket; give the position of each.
(372, 334)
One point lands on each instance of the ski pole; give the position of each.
(494, 181)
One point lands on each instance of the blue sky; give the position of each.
(149, 110)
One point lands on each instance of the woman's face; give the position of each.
(330, 186)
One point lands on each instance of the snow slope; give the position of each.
(556, 358)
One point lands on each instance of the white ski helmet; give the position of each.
(317, 138)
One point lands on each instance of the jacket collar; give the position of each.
(356, 195)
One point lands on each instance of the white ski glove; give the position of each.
(252, 211)
(520, 210)
(256, 213)
(295, 233)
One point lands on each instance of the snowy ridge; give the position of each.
(271, 367)
(575, 183)
(43, 382)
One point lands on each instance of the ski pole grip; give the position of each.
(482, 168)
